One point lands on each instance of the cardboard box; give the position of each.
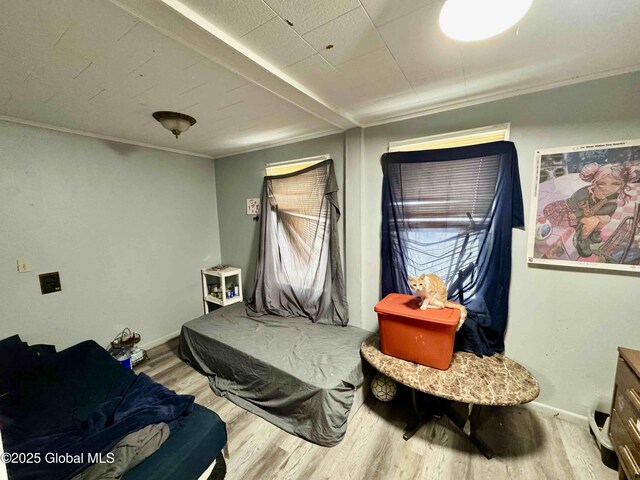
(420, 336)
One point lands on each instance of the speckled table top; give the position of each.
(495, 380)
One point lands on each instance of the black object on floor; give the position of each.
(458, 413)
(220, 470)
(608, 455)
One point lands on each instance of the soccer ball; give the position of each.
(383, 388)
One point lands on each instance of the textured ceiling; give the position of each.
(261, 72)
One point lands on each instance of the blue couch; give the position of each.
(81, 401)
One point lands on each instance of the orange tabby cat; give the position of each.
(433, 293)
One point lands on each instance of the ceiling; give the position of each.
(256, 73)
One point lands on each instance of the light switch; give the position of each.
(24, 265)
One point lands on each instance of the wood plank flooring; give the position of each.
(528, 446)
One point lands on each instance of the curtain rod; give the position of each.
(317, 158)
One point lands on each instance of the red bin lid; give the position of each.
(403, 305)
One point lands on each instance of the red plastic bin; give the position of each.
(420, 336)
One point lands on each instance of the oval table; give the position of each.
(470, 380)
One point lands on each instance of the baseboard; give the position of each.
(160, 341)
(549, 411)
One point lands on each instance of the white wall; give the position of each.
(127, 227)
(354, 206)
(564, 325)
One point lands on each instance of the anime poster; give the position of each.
(586, 207)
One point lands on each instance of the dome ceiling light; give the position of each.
(473, 20)
(175, 122)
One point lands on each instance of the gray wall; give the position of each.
(240, 177)
(127, 227)
(564, 325)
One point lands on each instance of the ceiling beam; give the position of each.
(182, 24)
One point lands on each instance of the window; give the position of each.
(450, 211)
(463, 138)
(299, 271)
(290, 166)
(445, 198)
(443, 212)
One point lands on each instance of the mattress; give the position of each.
(300, 376)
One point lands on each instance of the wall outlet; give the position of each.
(24, 265)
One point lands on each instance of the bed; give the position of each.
(301, 376)
(79, 402)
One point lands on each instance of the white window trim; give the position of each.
(296, 161)
(401, 145)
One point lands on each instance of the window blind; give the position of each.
(443, 211)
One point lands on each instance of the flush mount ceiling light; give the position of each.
(175, 122)
(472, 20)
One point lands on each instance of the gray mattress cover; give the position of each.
(300, 376)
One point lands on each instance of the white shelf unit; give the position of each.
(221, 279)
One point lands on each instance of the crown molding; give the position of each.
(300, 138)
(480, 99)
(101, 137)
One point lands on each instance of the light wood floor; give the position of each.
(528, 446)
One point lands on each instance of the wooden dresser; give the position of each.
(625, 414)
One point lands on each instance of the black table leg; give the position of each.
(460, 415)
(415, 425)
(431, 409)
(412, 428)
(474, 418)
(474, 424)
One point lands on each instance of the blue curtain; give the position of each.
(451, 212)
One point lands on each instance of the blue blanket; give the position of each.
(67, 445)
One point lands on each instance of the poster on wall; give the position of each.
(586, 207)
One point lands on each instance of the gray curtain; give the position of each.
(299, 271)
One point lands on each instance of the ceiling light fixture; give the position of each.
(472, 20)
(175, 122)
